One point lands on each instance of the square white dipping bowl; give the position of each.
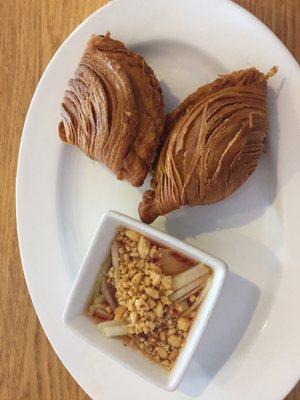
(75, 315)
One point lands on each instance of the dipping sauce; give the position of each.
(149, 295)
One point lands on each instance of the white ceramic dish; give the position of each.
(75, 311)
(61, 195)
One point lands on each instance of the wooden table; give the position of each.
(30, 33)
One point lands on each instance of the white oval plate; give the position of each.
(251, 346)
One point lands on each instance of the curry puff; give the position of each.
(113, 109)
(214, 139)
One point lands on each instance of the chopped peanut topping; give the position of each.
(161, 352)
(119, 312)
(183, 324)
(143, 247)
(132, 235)
(167, 282)
(175, 340)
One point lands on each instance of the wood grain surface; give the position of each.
(30, 33)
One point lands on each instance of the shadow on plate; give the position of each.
(170, 99)
(180, 66)
(229, 322)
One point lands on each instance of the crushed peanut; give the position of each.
(119, 312)
(175, 341)
(167, 282)
(132, 235)
(143, 247)
(183, 324)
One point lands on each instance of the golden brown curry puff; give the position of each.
(113, 109)
(213, 143)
